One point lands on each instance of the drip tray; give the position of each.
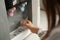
(20, 31)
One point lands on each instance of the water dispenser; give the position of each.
(18, 10)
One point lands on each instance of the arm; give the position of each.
(55, 35)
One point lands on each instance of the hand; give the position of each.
(26, 23)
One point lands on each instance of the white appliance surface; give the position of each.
(22, 35)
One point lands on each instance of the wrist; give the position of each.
(30, 26)
(34, 29)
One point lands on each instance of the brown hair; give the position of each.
(52, 8)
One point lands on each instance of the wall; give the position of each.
(41, 4)
(4, 34)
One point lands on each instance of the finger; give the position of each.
(28, 21)
(22, 23)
